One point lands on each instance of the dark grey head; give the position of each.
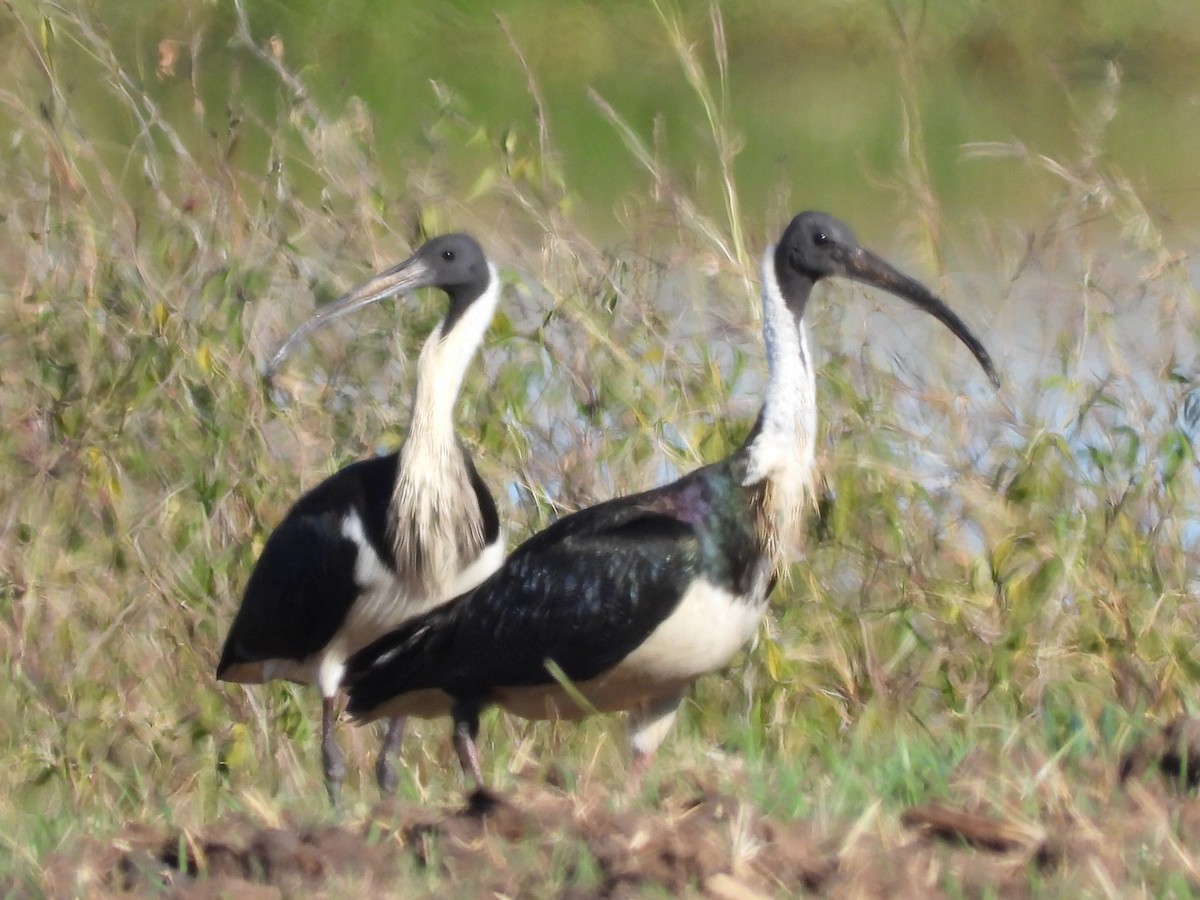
(816, 245)
(456, 264)
(453, 262)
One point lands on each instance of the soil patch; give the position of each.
(539, 840)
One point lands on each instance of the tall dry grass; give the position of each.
(985, 571)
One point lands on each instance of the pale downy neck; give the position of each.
(782, 451)
(437, 524)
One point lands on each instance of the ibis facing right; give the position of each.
(624, 604)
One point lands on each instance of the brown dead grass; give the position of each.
(1051, 836)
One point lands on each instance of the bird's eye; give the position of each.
(820, 238)
(448, 255)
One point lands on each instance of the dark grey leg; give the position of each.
(466, 728)
(385, 772)
(331, 754)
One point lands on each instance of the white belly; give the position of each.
(381, 606)
(707, 628)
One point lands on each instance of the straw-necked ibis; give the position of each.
(386, 538)
(635, 598)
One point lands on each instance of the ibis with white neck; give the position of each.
(384, 539)
(623, 605)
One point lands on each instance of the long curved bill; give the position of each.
(401, 278)
(863, 265)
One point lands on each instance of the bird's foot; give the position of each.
(332, 761)
(639, 767)
(335, 774)
(385, 770)
(466, 728)
(386, 777)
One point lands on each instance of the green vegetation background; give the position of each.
(183, 183)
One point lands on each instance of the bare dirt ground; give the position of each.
(539, 840)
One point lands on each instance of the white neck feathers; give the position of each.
(437, 524)
(783, 453)
(444, 359)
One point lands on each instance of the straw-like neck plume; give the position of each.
(437, 527)
(781, 449)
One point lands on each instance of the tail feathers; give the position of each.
(226, 661)
(239, 666)
(409, 658)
